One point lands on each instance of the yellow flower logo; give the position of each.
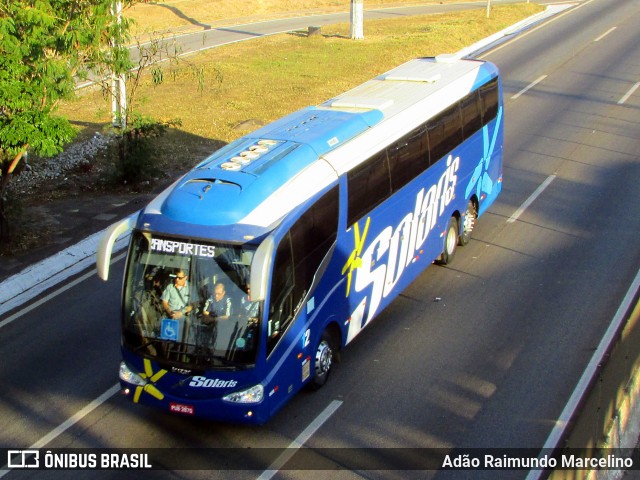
(354, 260)
(150, 388)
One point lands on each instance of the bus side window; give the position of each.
(471, 118)
(437, 144)
(311, 237)
(489, 101)
(297, 260)
(280, 308)
(445, 132)
(368, 186)
(408, 157)
(452, 127)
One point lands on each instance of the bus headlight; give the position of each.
(129, 376)
(254, 394)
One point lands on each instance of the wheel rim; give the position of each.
(323, 358)
(469, 221)
(452, 240)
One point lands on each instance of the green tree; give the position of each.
(45, 46)
(134, 150)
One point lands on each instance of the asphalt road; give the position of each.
(491, 364)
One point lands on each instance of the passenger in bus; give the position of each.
(151, 302)
(248, 308)
(176, 298)
(219, 306)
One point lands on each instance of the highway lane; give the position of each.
(490, 364)
(576, 244)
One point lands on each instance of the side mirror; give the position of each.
(105, 247)
(260, 267)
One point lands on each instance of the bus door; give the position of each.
(295, 257)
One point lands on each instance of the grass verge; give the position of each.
(247, 85)
(186, 15)
(251, 83)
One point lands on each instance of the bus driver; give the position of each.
(176, 297)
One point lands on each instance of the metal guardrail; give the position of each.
(602, 415)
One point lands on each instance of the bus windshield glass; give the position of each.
(187, 303)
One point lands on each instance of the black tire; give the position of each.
(323, 361)
(469, 222)
(450, 242)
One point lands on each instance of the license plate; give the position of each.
(180, 408)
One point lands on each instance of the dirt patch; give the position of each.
(56, 202)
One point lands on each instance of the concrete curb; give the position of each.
(499, 37)
(40, 277)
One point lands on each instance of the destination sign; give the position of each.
(182, 248)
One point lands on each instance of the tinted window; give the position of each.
(372, 182)
(281, 300)
(445, 132)
(452, 128)
(408, 157)
(470, 111)
(297, 260)
(368, 186)
(311, 237)
(489, 100)
(437, 144)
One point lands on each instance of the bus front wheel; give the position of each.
(450, 242)
(323, 361)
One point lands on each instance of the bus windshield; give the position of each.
(187, 303)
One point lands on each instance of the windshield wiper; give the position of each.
(206, 359)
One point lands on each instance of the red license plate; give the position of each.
(180, 408)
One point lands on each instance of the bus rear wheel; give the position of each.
(469, 222)
(450, 242)
(323, 361)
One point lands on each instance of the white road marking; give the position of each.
(605, 34)
(628, 94)
(278, 463)
(36, 279)
(529, 87)
(54, 294)
(563, 421)
(531, 199)
(306, 434)
(331, 408)
(570, 7)
(64, 426)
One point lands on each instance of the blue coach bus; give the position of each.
(246, 276)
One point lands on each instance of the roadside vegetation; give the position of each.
(179, 16)
(248, 84)
(216, 96)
